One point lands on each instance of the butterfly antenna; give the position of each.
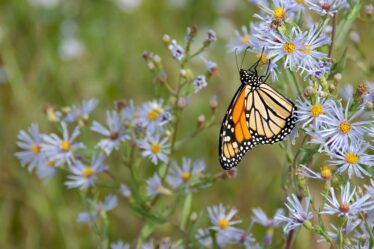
(254, 66)
(267, 74)
(236, 59)
(245, 53)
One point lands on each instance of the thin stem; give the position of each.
(289, 240)
(332, 35)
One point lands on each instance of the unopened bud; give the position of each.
(213, 103)
(146, 55)
(166, 39)
(369, 9)
(309, 91)
(362, 89)
(338, 77)
(121, 104)
(183, 102)
(151, 66)
(201, 121)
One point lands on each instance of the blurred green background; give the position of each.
(39, 65)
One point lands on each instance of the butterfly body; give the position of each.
(258, 114)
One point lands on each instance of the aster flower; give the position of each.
(31, 142)
(298, 214)
(261, 218)
(353, 159)
(125, 191)
(204, 238)
(109, 203)
(199, 82)
(155, 187)
(370, 188)
(339, 128)
(241, 40)
(223, 222)
(285, 46)
(349, 227)
(47, 170)
(277, 14)
(61, 150)
(324, 174)
(176, 50)
(119, 245)
(346, 206)
(187, 174)
(314, 38)
(151, 114)
(75, 113)
(308, 113)
(82, 175)
(327, 7)
(210, 36)
(155, 148)
(211, 66)
(114, 134)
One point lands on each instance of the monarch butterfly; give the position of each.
(257, 114)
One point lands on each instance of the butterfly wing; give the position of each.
(235, 136)
(270, 116)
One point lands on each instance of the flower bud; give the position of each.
(146, 55)
(183, 102)
(338, 77)
(213, 103)
(309, 91)
(166, 39)
(369, 10)
(121, 104)
(201, 121)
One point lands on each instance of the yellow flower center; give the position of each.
(65, 146)
(51, 163)
(351, 158)
(245, 39)
(344, 208)
(263, 58)
(279, 13)
(300, 1)
(316, 110)
(35, 148)
(289, 47)
(185, 176)
(87, 172)
(153, 114)
(307, 49)
(155, 148)
(223, 223)
(158, 188)
(326, 173)
(345, 127)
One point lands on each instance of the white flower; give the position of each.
(298, 214)
(261, 218)
(31, 144)
(155, 148)
(83, 175)
(199, 82)
(223, 222)
(339, 129)
(114, 134)
(327, 7)
(176, 50)
(76, 114)
(352, 159)
(187, 174)
(61, 150)
(346, 206)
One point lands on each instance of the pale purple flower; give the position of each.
(61, 150)
(31, 143)
(347, 205)
(155, 148)
(298, 214)
(176, 50)
(114, 134)
(261, 218)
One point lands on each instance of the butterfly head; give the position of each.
(244, 76)
(249, 78)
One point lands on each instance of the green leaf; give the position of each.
(186, 210)
(149, 216)
(346, 24)
(147, 231)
